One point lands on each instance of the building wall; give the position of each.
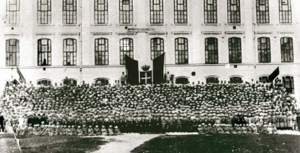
(85, 31)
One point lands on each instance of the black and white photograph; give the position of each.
(149, 76)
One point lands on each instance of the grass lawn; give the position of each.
(59, 144)
(222, 144)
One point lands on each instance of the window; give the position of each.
(288, 82)
(264, 79)
(210, 11)
(44, 52)
(44, 11)
(157, 47)
(182, 80)
(212, 80)
(101, 82)
(180, 11)
(12, 11)
(181, 51)
(287, 53)
(69, 11)
(70, 52)
(233, 13)
(236, 80)
(101, 51)
(44, 82)
(126, 12)
(235, 51)
(12, 52)
(69, 82)
(211, 51)
(285, 11)
(126, 48)
(264, 50)
(101, 11)
(156, 11)
(262, 11)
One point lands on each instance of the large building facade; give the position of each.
(203, 40)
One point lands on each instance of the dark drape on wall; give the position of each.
(158, 69)
(132, 67)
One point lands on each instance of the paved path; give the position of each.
(8, 144)
(124, 143)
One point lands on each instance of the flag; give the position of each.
(21, 76)
(274, 74)
(158, 69)
(132, 67)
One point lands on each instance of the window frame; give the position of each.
(100, 15)
(125, 12)
(13, 11)
(287, 53)
(210, 16)
(181, 50)
(156, 48)
(235, 50)
(262, 51)
(69, 12)
(262, 16)
(285, 15)
(180, 12)
(12, 51)
(44, 16)
(211, 55)
(156, 11)
(126, 50)
(233, 16)
(71, 53)
(44, 53)
(101, 51)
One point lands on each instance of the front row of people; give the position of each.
(237, 129)
(70, 130)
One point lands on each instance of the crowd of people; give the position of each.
(148, 108)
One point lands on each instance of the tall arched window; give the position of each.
(44, 52)
(12, 52)
(287, 51)
(101, 51)
(157, 47)
(70, 51)
(181, 51)
(288, 82)
(235, 50)
(126, 48)
(211, 51)
(264, 50)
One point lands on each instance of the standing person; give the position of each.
(123, 79)
(2, 122)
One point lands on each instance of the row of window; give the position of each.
(69, 11)
(287, 81)
(157, 47)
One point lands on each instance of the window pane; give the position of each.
(211, 51)
(181, 51)
(101, 51)
(126, 48)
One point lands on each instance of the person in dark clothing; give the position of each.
(2, 122)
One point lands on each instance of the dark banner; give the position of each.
(158, 69)
(274, 74)
(132, 67)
